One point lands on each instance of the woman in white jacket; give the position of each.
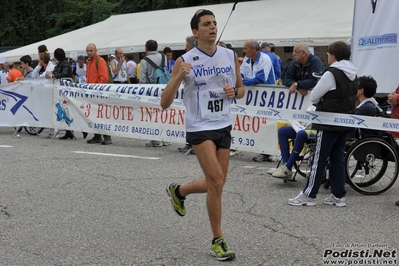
(43, 66)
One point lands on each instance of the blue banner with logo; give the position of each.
(25, 105)
(375, 49)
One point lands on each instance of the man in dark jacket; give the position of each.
(63, 69)
(299, 74)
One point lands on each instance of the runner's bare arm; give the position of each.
(180, 70)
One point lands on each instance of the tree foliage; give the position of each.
(30, 21)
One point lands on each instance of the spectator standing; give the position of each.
(80, 69)
(147, 77)
(191, 42)
(96, 73)
(4, 72)
(119, 67)
(393, 100)
(265, 47)
(14, 73)
(131, 69)
(26, 62)
(257, 67)
(63, 69)
(44, 65)
(335, 92)
(299, 75)
(169, 55)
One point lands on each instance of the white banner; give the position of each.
(25, 105)
(375, 49)
(134, 111)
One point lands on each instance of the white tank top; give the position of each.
(121, 77)
(81, 73)
(207, 106)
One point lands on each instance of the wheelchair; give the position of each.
(371, 164)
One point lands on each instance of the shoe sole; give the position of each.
(149, 145)
(231, 257)
(335, 204)
(302, 204)
(282, 177)
(171, 200)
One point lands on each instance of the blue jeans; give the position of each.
(286, 133)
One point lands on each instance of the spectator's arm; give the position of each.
(315, 66)
(102, 71)
(36, 70)
(289, 78)
(65, 72)
(143, 72)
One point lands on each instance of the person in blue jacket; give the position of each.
(257, 67)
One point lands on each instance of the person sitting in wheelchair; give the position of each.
(366, 106)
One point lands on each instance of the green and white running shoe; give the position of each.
(177, 203)
(221, 251)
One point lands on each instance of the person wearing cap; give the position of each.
(79, 71)
(299, 74)
(265, 47)
(169, 57)
(207, 121)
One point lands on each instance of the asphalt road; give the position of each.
(71, 203)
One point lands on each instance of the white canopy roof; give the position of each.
(282, 22)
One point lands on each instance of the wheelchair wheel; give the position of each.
(304, 163)
(371, 166)
(34, 130)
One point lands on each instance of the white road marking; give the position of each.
(116, 155)
(5, 146)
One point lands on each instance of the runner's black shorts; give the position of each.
(221, 137)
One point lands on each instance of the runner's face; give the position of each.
(207, 29)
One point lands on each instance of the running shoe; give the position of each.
(302, 200)
(177, 203)
(332, 200)
(221, 251)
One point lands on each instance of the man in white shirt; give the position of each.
(131, 69)
(119, 67)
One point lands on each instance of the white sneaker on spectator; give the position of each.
(271, 170)
(234, 152)
(283, 172)
(332, 200)
(302, 200)
(274, 158)
(260, 157)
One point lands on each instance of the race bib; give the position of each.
(82, 79)
(214, 105)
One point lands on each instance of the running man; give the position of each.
(211, 77)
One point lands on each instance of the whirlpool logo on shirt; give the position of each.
(201, 71)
